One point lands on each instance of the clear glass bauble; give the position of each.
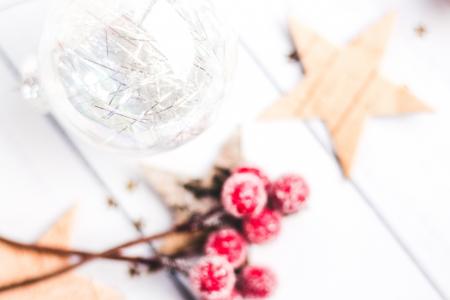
(144, 75)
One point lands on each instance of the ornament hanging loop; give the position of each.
(30, 86)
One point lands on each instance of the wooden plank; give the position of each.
(395, 154)
(336, 246)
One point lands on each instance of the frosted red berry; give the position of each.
(289, 192)
(262, 228)
(243, 194)
(256, 282)
(255, 171)
(229, 243)
(212, 278)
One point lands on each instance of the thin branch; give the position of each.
(192, 225)
(80, 253)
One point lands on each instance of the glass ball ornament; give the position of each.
(135, 75)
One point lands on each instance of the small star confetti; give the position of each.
(420, 30)
(133, 271)
(111, 202)
(139, 224)
(131, 185)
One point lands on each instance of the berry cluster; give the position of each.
(257, 205)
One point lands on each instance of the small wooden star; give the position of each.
(343, 87)
(420, 30)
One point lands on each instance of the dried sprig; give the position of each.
(195, 224)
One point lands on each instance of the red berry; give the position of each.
(212, 278)
(228, 243)
(289, 192)
(243, 194)
(256, 282)
(263, 227)
(256, 171)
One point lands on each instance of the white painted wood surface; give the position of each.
(393, 245)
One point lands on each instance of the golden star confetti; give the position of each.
(131, 185)
(111, 202)
(420, 30)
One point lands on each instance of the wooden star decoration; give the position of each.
(343, 86)
(175, 191)
(18, 264)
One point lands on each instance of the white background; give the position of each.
(385, 234)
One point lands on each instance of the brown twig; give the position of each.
(83, 260)
(194, 224)
(73, 252)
